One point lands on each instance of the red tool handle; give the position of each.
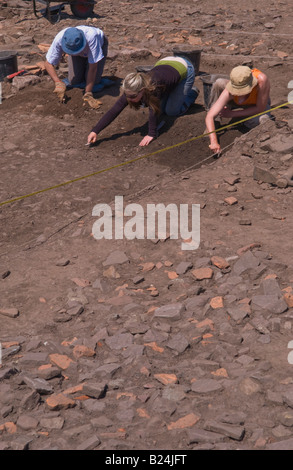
(15, 74)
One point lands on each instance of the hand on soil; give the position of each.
(92, 137)
(216, 148)
(60, 89)
(93, 103)
(146, 140)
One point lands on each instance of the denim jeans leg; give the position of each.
(253, 122)
(101, 63)
(77, 66)
(183, 96)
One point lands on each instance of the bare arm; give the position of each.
(60, 86)
(52, 72)
(91, 77)
(219, 105)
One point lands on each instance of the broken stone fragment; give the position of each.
(231, 180)
(137, 279)
(170, 312)
(201, 436)
(237, 313)
(22, 82)
(10, 351)
(271, 287)
(286, 444)
(183, 267)
(38, 384)
(59, 401)
(7, 372)
(75, 310)
(119, 341)
(63, 262)
(89, 444)
(5, 274)
(178, 343)
(116, 257)
(95, 390)
(245, 222)
(56, 422)
(202, 273)
(27, 422)
(280, 143)
(272, 303)
(48, 371)
(219, 262)
(247, 261)
(203, 386)
(282, 182)
(9, 312)
(286, 179)
(111, 273)
(229, 430)
(231, 201)
(263, 175)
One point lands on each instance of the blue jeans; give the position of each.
(180, 99)
(253, 122)
(78, 67)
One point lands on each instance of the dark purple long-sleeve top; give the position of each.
(165, 77)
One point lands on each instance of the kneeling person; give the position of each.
(247, 91)
(167, 88)
(87, 49)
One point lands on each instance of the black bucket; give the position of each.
(8, 63)
(193, 55)
(208, 81)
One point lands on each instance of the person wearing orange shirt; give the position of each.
(247, 93)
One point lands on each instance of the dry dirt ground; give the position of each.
(140, 345)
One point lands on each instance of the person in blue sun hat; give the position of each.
(87, 49)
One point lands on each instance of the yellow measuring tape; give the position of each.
(156, 152)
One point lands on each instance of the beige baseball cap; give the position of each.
(241, 81)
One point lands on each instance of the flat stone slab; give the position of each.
(116, 257)
(170, 311)
(206, 386)
(281, 445)
(178, 343)
(9, 312)
(263, 175)
(246, 262)
(229, 430)
(197, 436)
(119, 341)
(183, 267)
(279, 143)
(272, 303)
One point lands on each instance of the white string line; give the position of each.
(249, 56)
(208, 31)
(239, 31)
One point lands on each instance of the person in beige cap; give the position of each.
(247, 93)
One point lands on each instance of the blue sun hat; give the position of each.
(73, 41)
